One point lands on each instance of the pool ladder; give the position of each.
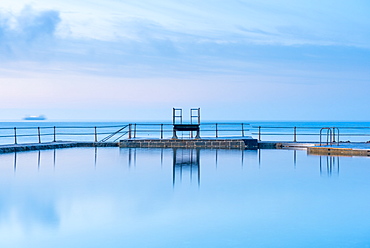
(331, 133)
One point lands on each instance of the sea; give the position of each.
(188, 198)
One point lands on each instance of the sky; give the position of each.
(126, 60)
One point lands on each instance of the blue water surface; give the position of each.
(112, 197)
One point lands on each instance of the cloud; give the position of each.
(26, 33)
(168, 42)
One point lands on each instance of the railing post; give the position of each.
(55, 134)
(161, 131)
(242, 129)
(129, 131)
(295, 135)
(15, 135)
(259, 133)
(338, 136)
(39, 134)
(134, 130)
(333, 138)
(216, 130)
(95, 134)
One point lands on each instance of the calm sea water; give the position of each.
(112, 197)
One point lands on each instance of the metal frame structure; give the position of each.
(186, 127)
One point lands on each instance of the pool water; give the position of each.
(112, 197)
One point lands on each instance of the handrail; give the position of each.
(207, 129)
(328, 134)
(50, 133)
(54, 133)
(334, 133)
(113, 133)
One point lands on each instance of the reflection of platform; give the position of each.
(229, 143)
(186, 160)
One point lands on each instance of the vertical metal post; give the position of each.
(242, 129)
(259, 133)
(39, 134)
(173, 115)
(328, 136)
(338, 140)
(216, 130)
(95, 134)
(295, 135)
(199, 116)
(134, 130)
(161, 131)
(15, 135)
(55, 134)
(129, 131)
(333, 139)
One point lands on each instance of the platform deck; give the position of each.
(52, 145)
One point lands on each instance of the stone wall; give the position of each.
(199, 143)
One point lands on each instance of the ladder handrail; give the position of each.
(114, 133)
(330, 135)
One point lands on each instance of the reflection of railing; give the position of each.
(310, 133)
(330, 165)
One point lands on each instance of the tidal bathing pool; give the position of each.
(112, 197)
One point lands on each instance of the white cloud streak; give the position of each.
(228, 52)
(27, 32)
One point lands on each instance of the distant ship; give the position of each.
(35, 118)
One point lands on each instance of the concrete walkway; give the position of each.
(343, 149)
(314, 148)
(52, 145)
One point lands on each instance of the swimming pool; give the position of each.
(112, 197)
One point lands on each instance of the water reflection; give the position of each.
(186, 161)
(329, 165)
(131, 156)
(111, 197)
(39, 159)
(15, 162)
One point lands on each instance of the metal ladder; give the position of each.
(330, 135)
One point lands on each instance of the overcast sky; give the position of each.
(134, 60)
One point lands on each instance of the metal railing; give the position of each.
(113, 133)
(311, 133)
(17, 135)
(330, 135)
(207, 130)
